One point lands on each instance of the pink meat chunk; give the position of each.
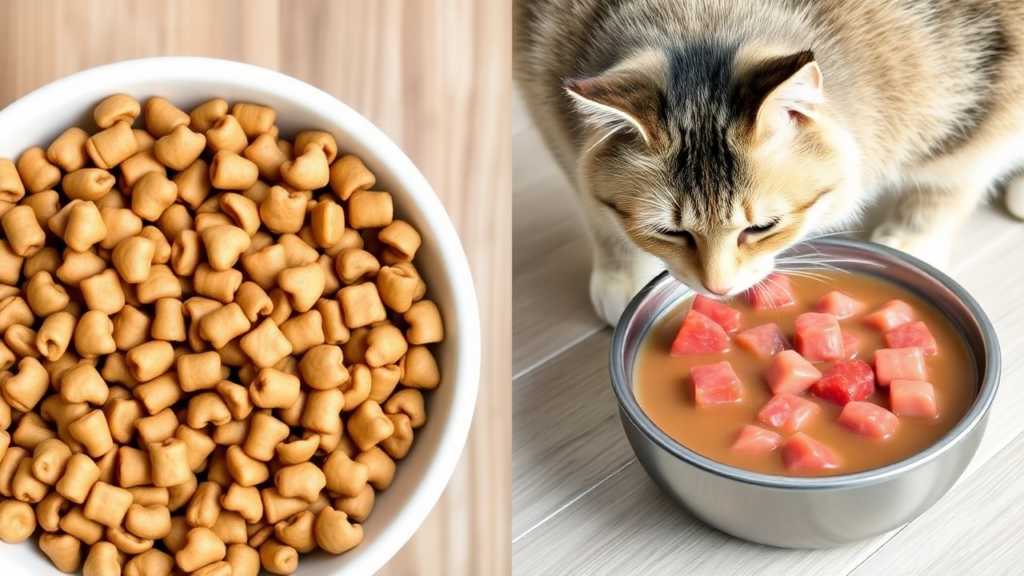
(899, 364)
(699, 335)
(913, 398)
(838, 304)
(715, 384)
(851, 345)
(763, 341)
(790, 372)
(774, 291)
(818, 337)
(868, 419)
(754, 439)
(890, 316)
(912, 334)
(787, 412)
(846, 381)
(725, 316)
(803, 453)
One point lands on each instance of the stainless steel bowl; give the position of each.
(817, 512)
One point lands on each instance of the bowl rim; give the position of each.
(975, 416)
(453, 438)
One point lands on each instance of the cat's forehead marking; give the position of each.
(699, 111)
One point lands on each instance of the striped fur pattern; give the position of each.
(706, 137)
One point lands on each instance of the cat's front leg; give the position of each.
(619, 272)
(925, 220)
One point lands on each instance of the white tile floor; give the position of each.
(582, 504)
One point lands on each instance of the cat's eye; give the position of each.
(762, 228)
(683, 234)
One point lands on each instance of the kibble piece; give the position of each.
(107, 504)
(361, 305)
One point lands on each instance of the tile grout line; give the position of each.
(574, 500)
(565, 348)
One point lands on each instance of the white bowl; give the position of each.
(39, 117)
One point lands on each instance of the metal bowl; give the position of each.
(801, 512)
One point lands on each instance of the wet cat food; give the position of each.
(812, 376)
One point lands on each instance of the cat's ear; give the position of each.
(618, 100)
(783, 90)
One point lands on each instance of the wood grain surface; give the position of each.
(434, 76)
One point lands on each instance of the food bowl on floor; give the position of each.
(766, 497)
(41, 116)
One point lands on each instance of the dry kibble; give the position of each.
(267, 156)
(385, 345)
(94, 335)
(297, 531)
(244, 212)
(107, 504)
(132, 258)
(68, 150)
(253, 118)
(88, 184)
(230, 527)
(357, 507)
(17, 521)
(50, 510)
(169, 461)
(185, 253)
(207, 408)
(149, 360)
(419, 369)
(50, 460)
(139, 165)
(159, 393)
(194, 184)
(180, 148)
(244, 469)
(399, 287)
(226, 134)
(134, 468)
(367, 209)
(266, 345)
(121, 223)
(26, 388)
(112, 146)
(64, 550)
(200, 446)
(217, 284)
(162, 117)
(267, 433)
(104, 559)
(224, 245)
(308, 171)
(202, 548)
(103, 293)
(243, 559)
(93, 432)
(322, 367)
(334, 533)
(152, 562)
(204, 116)
(264, 266)
(297, 251)
(274, 389)
(229, 171)
(304, 284)
(116, 108)
(224, 324)
(78, 266)
(348, 174)
(44, 296)
(303, 480)
(36, 171)
(299, 450)
(15, 310)
(79, 476)
(205, 506)
(169, 322)
(127, 542)
(345, 476)
(162, 283)
(283, 211)
(361, 305)
(11, 263)
(152, 195)
(368, 425)
(199, 371)
(23, 231)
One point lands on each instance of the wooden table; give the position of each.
(581, 502)
(433, 75)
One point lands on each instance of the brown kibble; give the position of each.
(425, 324)
(400, 442)
(169, 323)
(17, 521)
(152, 195)
(36, 171)
(134, 468)
(78, 266)
(304, 284)
(149, 360)
(52, 340)
(322, 367)
(132, 257)
(15, 310)
(103, 293)
(185, 253)
(205, 505)
(380, 465)
(92, 431)
(283, 211)
(253, 118)
(116, 108)
(348, 174)
(68, 150)
(80, 474)
(104, 559)
(274, 389)
(26, 388)
(299, 450)
(266, 345)
(297, 251)
(399, 286)
(226, 134)
(162, 283)
(334, 329)
(204, 116)
(328, 222)
(44, 296)
(355, 264)
(245, 500)
(162, 117)
(267, 156)
(343, 475)
(385, 345)
(361, 305)
(419, 369)
(83, 383)
(304, 480)
(403, 239)
(50, 510)
(152, 562)
(368, 425)
(334, 533)
(121, 223)
(264, 266)
(322, 411)
(224, 324)
(202, 548)
(253, 301)
(323, 140)
(137, 166)
(200, 446)
(229, 171)
(64, 550)
(169, 461)
(199, 371)
(236, 397)
(23, 232)
(368, 209)
(244, 212)
(357, 507)
(194, 183)
(94, 335)
(11, 263)
(207, 408)
(224, 245)
(308, 171)
(266, 433)
(217, 284)
(244, 469)
(112, 146)
(107, 504)
(180, 148)
(156, 428)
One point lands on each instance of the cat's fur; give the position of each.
(713, 135)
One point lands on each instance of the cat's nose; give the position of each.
(715, 289)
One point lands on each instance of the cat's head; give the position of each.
(716, 159)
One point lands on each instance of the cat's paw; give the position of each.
(933, 249)
(612, 289)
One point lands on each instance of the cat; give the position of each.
(706, 137)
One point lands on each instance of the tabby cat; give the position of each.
(707, 136)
